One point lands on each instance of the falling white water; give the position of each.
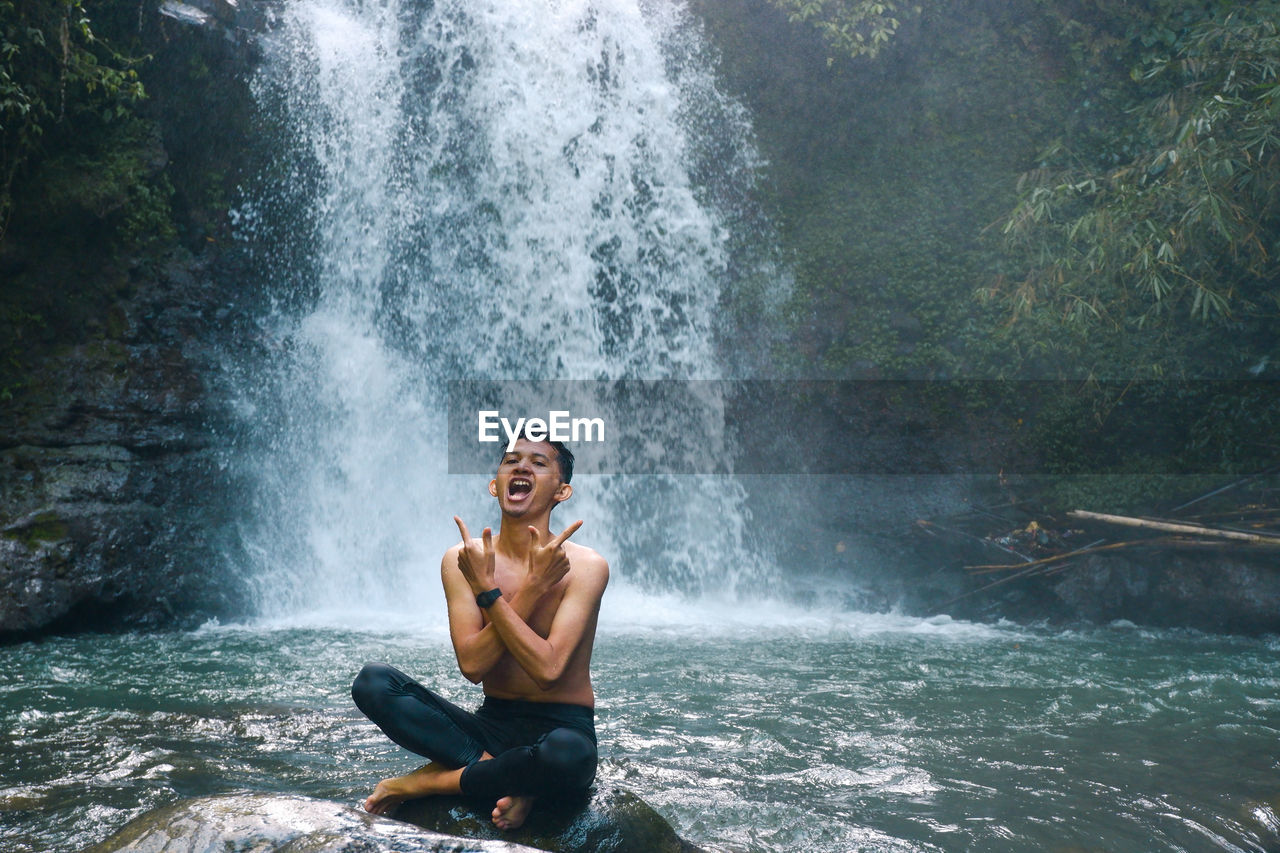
(491, 190)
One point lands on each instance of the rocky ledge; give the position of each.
(611, 820)
(274, 823)
(112, 486)
(1235, 591)
(1232, 594)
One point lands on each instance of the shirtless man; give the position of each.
(522, 617)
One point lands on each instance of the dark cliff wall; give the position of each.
(116, 297)
(114, 491)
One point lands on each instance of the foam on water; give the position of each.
(633, 611)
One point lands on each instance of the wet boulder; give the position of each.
(608, 820)
(275, 823)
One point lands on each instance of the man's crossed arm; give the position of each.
(468, 570)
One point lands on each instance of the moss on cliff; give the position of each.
(117, 181)
(44, 527)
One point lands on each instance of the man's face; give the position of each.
(528, 479)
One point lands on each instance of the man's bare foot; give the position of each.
(510, 812)
(431, 779)
(384, 797)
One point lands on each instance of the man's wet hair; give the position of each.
(564, 456)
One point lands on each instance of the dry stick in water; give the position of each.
(1091, 548)
(1155, 542)
(1225, 488)
(929, 527)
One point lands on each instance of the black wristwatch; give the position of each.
(486, 599)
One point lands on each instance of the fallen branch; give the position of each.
(929, 527)
(1226, 488)
(1176, 527)
(1035, 568)
(1165, 542)
(1005, 580)
(1154, 542)
(1091, 548)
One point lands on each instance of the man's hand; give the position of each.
(475, 562)
(547, 563)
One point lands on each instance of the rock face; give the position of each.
(272, 823)
(611, 820)
(111, 486)
(1235, 593)
(227, 15)
(1222, 594)
(118, 292)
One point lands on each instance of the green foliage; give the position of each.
(1121, 446)
(1136, 447)
(884, 178)
(850, 27)
(148, 220)
(53, 72)
(882, 174)
(16, 326)
(1118, 493)
(1176, 223)
(118, 180)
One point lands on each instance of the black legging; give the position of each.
(543, 749)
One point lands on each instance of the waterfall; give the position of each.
(479, 190)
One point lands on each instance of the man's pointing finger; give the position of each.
(566, 533)
(462, 528)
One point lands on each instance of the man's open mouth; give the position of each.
(519, 486)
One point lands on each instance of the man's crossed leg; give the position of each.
(510, 751)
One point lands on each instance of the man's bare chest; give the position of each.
(510, 579)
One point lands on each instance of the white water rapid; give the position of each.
(487, 190)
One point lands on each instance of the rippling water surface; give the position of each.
(751, 731)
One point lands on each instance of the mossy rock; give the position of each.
(43, 527)
(275, 823)
(609, 820)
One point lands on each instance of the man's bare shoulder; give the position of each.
(587, 562)
(449, 562)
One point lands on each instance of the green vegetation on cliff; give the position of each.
(59, 83)
(932, 236)
(853, 27)
(80, 178)
(1170, 225)
(106, 163)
